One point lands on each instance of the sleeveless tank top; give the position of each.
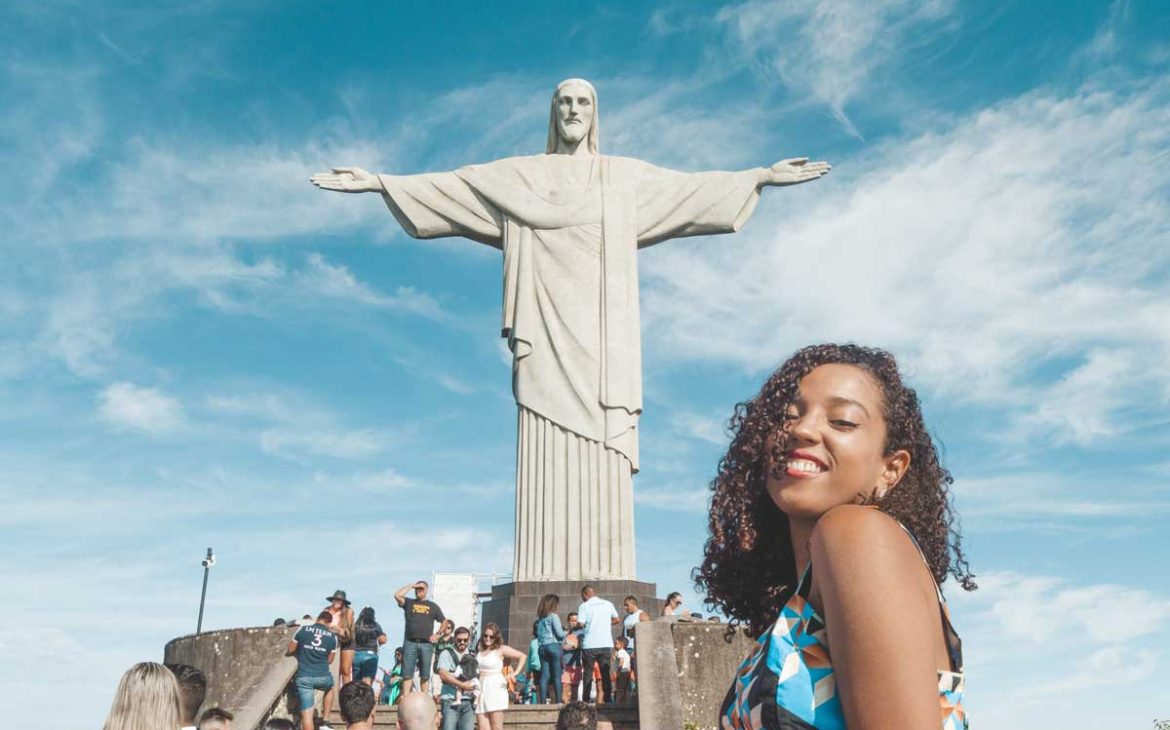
(490, 662)
(628, 625)
(787, 682)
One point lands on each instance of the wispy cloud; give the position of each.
(1021, 633)
(1106, 40)
(338, 281)
(291, 426)
(990, 256)
(386, 481)
(705, 428)
(127, 405)
(680, 499)
(829, 49)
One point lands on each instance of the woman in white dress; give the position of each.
(493, 685)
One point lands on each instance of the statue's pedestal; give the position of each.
(513, 605)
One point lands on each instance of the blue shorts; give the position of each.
(365, 664)
(416, 655)
(306, 689)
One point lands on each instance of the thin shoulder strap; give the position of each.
(954, 643)
(804, 585)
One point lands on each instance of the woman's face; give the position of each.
(490, 637)
(832, 444)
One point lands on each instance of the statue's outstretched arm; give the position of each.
(348, 180)
(793, 172)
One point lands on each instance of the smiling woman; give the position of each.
(831, 467)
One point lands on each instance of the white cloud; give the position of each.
(338, 281)
(1120, 666)
(1017, 500)
(342, 444)
(142, 409)
(705, 428)
(682, 499)
(215, 193)
(829, 49)
(291, 426)
(1034, 644)
(1007, 260)
(1042, 610)
(669, 124)
(87, 309)
(1078, 407)
(386, 481)
(1105, 42)
(24, 640)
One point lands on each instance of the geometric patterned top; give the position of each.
(787, 682)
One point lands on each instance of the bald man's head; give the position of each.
(416, 711)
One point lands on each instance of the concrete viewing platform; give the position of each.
(684, 669)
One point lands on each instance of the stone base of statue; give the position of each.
(513, 605)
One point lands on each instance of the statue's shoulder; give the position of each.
(628, 167)
(506, 165)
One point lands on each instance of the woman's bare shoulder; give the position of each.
(853, 540)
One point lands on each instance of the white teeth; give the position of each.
(805, 465)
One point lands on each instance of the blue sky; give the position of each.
(199, 348)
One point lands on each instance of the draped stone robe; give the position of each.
(570, 315)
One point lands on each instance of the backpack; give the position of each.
(468, 666)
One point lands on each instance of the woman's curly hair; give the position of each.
(748, 569)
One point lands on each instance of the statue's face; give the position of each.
(574, 113)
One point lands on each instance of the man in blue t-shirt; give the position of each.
(596, 616)
(313, 647)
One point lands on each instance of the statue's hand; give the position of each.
(794, 171)
(348, 180)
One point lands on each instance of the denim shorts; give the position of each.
(416, 655)
(306, 687)
(365, 664)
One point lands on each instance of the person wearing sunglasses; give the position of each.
(493, 695)
(459, 674)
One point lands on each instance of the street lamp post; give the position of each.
(207, 563)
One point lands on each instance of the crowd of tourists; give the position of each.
(153, 696)
(830, 515)
(576, 662)
(478, 676)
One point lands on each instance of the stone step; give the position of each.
(524, 717)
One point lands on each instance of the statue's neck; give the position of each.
(580, 148)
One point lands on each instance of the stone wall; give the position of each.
(708, 657)
(684, 670)
(247, 670)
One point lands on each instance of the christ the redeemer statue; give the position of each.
(570, 223)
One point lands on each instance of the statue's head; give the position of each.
(573, 117)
